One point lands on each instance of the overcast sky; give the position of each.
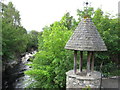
(35, 14)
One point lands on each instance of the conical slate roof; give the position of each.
(86, 38)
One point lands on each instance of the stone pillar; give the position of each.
(83, 80)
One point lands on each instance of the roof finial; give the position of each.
(86, 9)
(86, 3)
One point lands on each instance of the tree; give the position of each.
(52, 60)
(82, 13)
(32, 40)
(68, 21)
(10, 14)
(14, 36)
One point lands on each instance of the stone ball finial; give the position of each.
(86, 3)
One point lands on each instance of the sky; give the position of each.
(35, 14)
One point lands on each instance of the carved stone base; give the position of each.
(83, 80)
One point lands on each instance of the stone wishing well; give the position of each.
(84, 38)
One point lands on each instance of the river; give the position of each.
(16, 77)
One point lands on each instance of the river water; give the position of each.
(22, 82)
(17, 78)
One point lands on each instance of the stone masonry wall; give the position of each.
(91, 80)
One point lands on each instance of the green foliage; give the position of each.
(86, 88)
(82, 13)
(108, 69)
(52, 61)
(10, 14)
(68, 21)
(14, 36)
(109, 30)
(32, 40)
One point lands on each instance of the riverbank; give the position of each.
(12, 74)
